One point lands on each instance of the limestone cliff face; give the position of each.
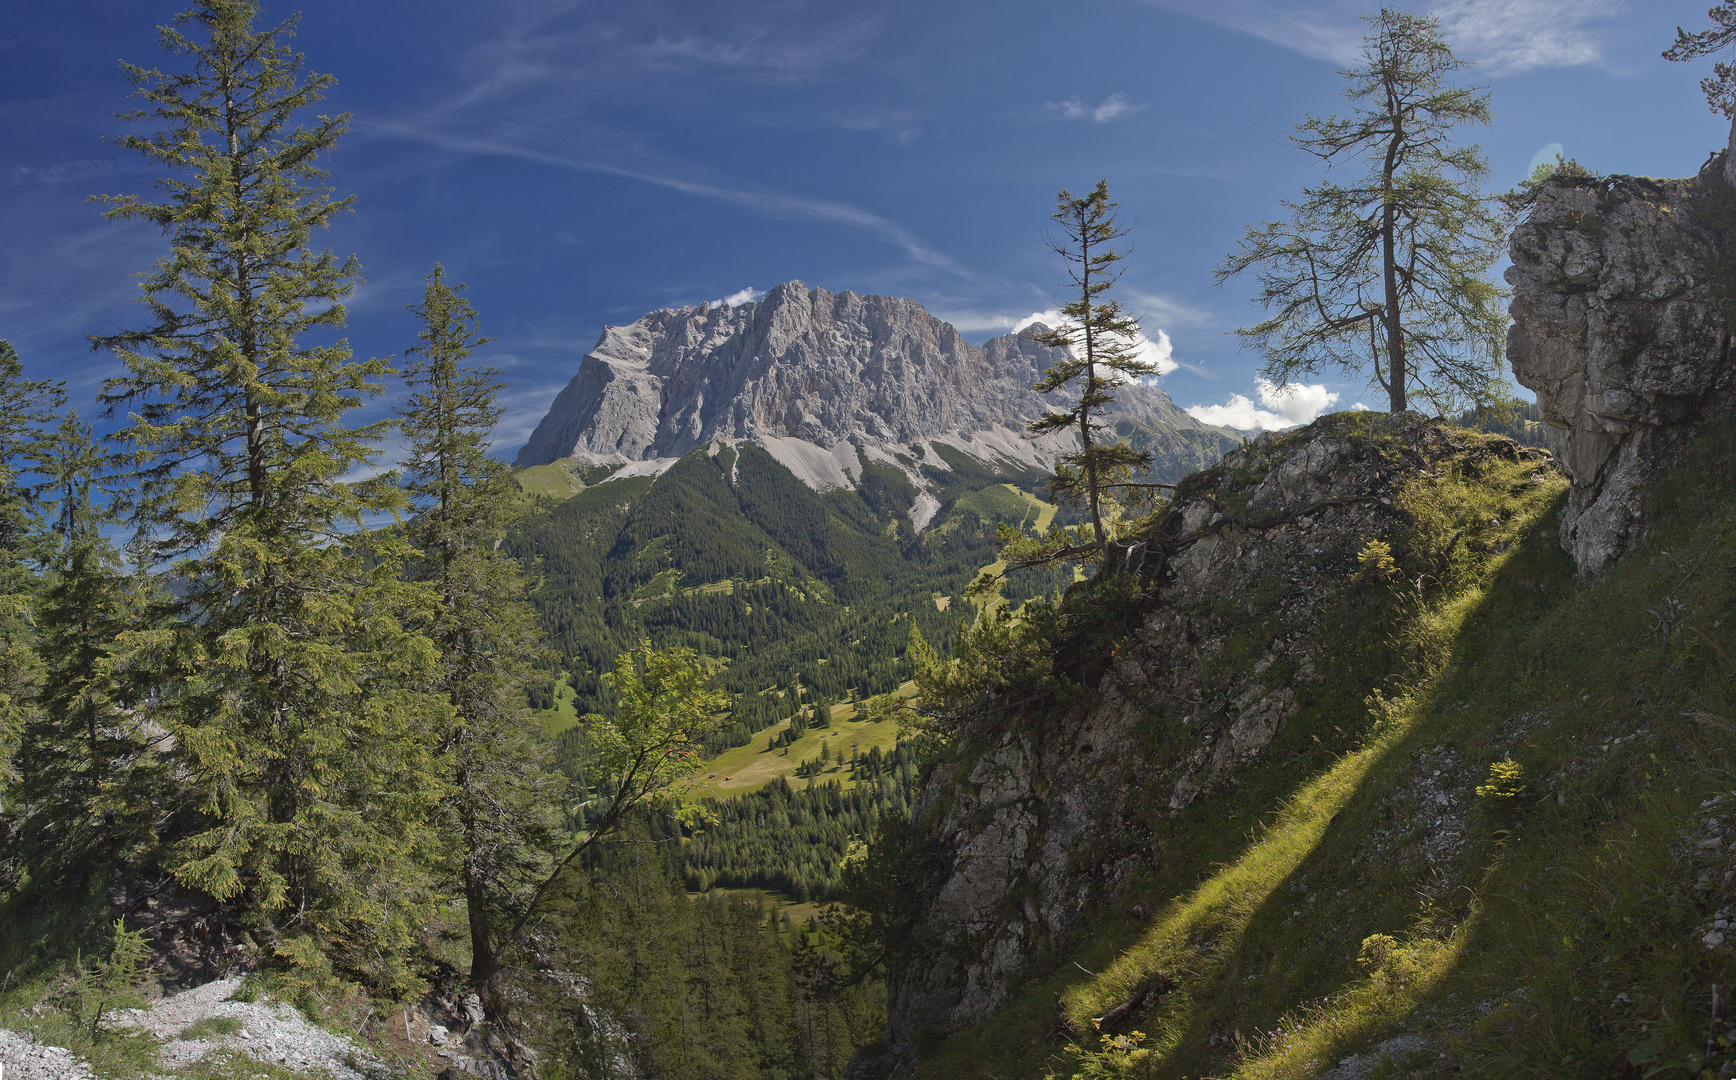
(1027, 833)
(1621, 306)
(804, 372)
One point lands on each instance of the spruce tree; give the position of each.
(288, 685)
(498, 820)
(1101, 343)
(25, 405)
(82, 754)
(1386, 275)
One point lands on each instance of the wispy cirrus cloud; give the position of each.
(1113, 107)
(534, 94)
(1501, 36)
(687, 178)
(74, 172)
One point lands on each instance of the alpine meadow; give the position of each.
(882, 673)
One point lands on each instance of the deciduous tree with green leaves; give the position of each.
(1101, 343)
(294, 695)
(643, 756)
(1386, 275)
(500, 817)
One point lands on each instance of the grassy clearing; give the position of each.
(748, 768)
(1300, 921)
(564, 715)
(551, 481)
(779, 906)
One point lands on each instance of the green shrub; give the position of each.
(1505, 785)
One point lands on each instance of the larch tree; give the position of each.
(1386, 275)
(291, 689)
(500, 818)
(1720, 86)
(1101, 343)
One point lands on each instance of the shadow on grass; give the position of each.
(1564, 935)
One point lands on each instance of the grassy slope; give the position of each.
(549, 480)
(563, 716)
(1567, 935)
(753, 766)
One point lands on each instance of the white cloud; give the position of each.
(1077, 108)
(1500, 36)
(742, 296)
(1159, 353)
(1517, 35)
(1051, 318)
(1279, 407)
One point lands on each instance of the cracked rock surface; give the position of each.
(1622, 328)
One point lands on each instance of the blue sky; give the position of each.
(581, 163)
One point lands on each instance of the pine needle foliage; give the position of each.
(286, 680)
(1387, 275)
(499, 815)
(1720, 86)
(1101, 342)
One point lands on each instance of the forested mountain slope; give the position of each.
(1405, 753)
(788, 486)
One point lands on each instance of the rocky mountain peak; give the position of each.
(807, 373)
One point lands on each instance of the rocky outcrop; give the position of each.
(1030, 829)
(811, 375)
(1622, 294)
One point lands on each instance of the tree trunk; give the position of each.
(1392, 317)
(1090, 376)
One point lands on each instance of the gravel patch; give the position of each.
(1359, 1066)
(270, 1031)
(23, 1058)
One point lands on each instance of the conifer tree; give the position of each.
(1387, 275)
(25, 404)
(499, 816)
(1101, 339)
(1720, 86)
(82, 754)
(288, 684)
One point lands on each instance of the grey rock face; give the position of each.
(806, 370)
(1029, 833)
(1622, 330)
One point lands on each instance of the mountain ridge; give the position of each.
(805, 373)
